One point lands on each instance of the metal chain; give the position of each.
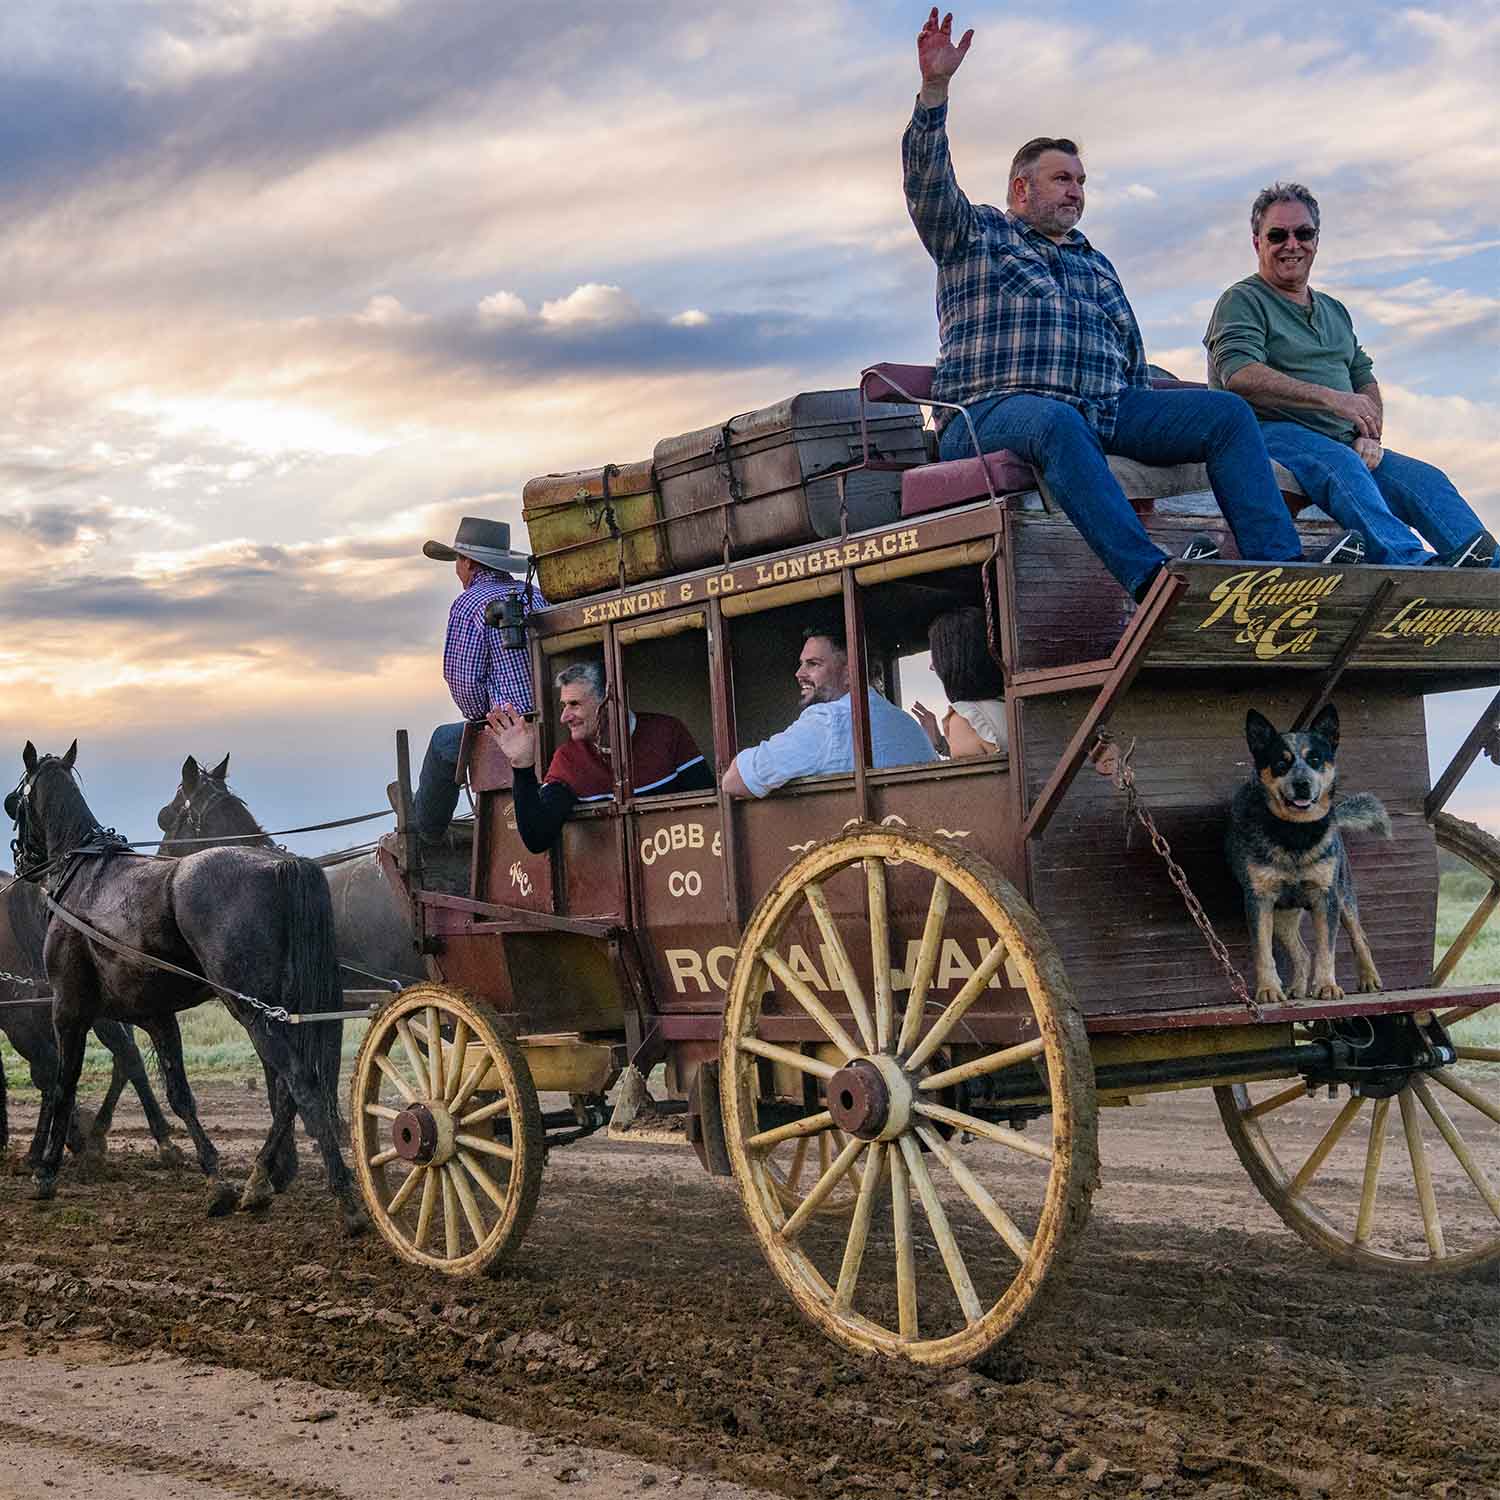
(19, 978)
(1109, 760)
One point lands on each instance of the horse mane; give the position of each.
(70, 821)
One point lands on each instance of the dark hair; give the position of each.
(1282, 192)
(828, 632)
(961, 656)
(1036, 148)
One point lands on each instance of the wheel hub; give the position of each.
(870, 1098)
(423, 1134)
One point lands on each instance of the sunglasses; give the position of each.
(1305, 233)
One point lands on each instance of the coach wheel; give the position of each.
(1411, 1182)
(940, 1280)
(447, 1132)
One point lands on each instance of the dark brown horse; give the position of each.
(28, 1028)
(253, 928)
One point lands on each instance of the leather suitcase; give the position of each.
(762, 480)
(595, 529)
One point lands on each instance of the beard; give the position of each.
(1057, 220)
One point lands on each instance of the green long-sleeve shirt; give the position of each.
(1253, 324)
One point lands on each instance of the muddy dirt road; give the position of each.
(1198, 1349)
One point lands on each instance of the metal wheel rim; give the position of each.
(1402, 1135)
(467, 1212)
(1072, 1167)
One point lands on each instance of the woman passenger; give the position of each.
(971, 677)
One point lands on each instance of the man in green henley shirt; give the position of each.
(1292, 354)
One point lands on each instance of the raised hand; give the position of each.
(938, 57)
(928, 720)
(517, 738)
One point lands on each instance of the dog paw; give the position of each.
(1329, 991)
(1369, 983)
(1269, 994)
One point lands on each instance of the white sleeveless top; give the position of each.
(987, 719)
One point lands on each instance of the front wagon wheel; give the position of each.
(1409, 1183)
(447, 1131)
(958, 1217)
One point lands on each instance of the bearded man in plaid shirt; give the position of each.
(481, 671)
(1038, 341)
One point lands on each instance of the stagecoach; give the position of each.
(891, 1005)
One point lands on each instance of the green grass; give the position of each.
(216, 1046)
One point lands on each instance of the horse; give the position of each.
(372, 924)
(23, 925)
(136, 938)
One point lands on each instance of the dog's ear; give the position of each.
(1261, 735)
(1327, 725)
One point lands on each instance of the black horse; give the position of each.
(28, 1028)
(256, 929)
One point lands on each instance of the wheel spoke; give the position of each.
(486, 1112)
(480, 1067)
(1275, 1102)
(799, 1161)
(826, 1151)
(906, 1269)
(460, 1051)
(1478, 1054)
(381, 1111)
(424, 1213)
(435, 1053)
(450, 1215)
(1457, 1145)
(1331, 1137)
(492, 1189)
(480, 1144)
(415, 1057)
(1371, 1184)
(821, 1189)
(807, 1125)
(810, 1003)
(792, 1059)
(1460, 945)
(1000, 1221)
(384, 1158)
(991, 1063)
(942, 1232)
(399, 1083)
(844, 970)
(1431, 1223)
(859, 1228)
(407, 1188)
(927, 957)
(1468, 1093)
(974, 987)
(466, 1198)
(880, 952)
(1001, 1135)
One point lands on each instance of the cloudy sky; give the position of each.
(288, 285)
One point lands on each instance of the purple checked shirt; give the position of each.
(479, 670)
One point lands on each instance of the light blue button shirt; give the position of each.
(820, 742)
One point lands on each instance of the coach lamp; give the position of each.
(508, 616)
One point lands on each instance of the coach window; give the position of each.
(560, 652)
(665, 665)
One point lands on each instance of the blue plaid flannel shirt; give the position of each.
(480, 671)
(1016, 313)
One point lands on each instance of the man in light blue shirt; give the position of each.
(820, 740)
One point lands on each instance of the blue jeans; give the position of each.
(1401, 494)
(1152, 427)
(437, 791)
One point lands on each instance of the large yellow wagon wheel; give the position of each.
(940, 1280)
(1411, 1182)
(447, 1132)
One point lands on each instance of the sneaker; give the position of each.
(1477, 552)
(1202, 548)
(1344, 552)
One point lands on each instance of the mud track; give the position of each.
(1198, 1349)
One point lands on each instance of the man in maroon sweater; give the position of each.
(663, 756)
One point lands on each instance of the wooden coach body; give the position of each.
(629, 927)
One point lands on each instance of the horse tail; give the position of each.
(310, 975)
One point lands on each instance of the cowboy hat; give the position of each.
(481, 541)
